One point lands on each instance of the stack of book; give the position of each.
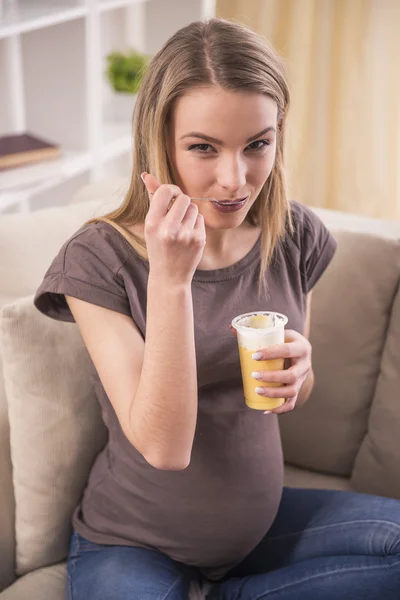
(23, 149)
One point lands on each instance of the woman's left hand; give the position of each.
(296, 350)
(297, 354)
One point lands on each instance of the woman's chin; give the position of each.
(217, 224)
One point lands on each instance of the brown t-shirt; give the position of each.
(216, 510)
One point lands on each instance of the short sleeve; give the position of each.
(86, 267)
(316, 244)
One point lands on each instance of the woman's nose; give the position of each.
(231, 174)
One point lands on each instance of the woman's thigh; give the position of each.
(100, 572)
(322, 544)
(316, 523)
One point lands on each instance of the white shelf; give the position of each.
(28, 15)
(21, 184)
(70, 163)
(53, 85)
(105, 5)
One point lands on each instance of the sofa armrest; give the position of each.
(43, 584)
(7, 531)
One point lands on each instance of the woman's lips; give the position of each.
(231, 201)
(230, 206)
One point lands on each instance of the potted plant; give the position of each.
(124, 73)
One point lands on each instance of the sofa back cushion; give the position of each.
(56, 429)
(377, 466)
(28, 242)
(351, 314)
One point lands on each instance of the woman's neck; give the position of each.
(221, 250)
(227, 249)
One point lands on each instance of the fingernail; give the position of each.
(267, 412)
(259, 390)
(142, 176)
(257, 355)
(256, 375)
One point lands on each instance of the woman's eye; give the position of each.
(259, 145)
(201, 148)
(208, 149)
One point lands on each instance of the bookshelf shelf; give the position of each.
(17, 185)
(25, 15)
(53, 85)
(105, 5)
(23, 177)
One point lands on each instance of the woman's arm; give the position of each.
(164, 411)
(151, 384)
(307, 387)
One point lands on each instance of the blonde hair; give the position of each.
(204, 53)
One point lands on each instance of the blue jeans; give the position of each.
(327, 545)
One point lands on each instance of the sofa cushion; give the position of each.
(377, 466)
(28, 242)
(338, 220)
(44, 584)
(50, 584)
(350, 316)
(303, 478)
(56, 428)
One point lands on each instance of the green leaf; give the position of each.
(125, 71)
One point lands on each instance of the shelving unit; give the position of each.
(52, 82)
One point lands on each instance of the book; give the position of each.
(21, 149)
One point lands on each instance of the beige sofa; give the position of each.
(346, 437)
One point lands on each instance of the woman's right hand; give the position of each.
(175, 237)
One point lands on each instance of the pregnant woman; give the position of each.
(190, 483)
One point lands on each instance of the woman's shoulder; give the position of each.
(103, 235)
(311, 241)
(98, 241)
(87, 267)
(304, 220)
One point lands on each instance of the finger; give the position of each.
(233, 330)
(161, 200)
(291, 335)
(189, 219)
(151, 182)
(152, 185)
(178, 210)
(287, 407)
(285, 391)
(288, 377)
(200, 228)
(288, 350)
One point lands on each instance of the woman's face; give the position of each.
(222, 145)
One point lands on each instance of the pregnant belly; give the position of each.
(209, 515)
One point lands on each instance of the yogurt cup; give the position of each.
(257, 331)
